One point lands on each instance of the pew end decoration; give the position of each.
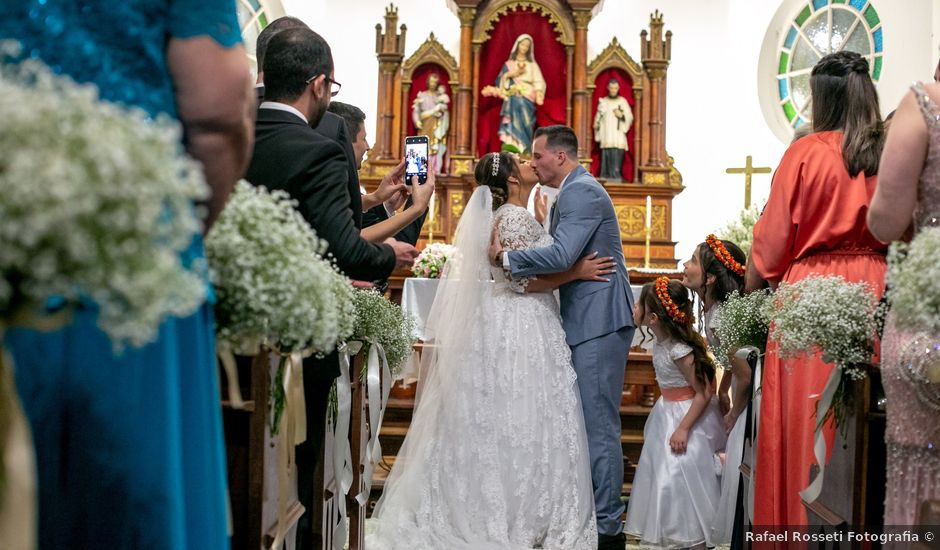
(741, 324)
(837, 319)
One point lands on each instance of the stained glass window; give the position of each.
(252, 16)
(820, 27)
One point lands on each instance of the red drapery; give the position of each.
(419, 83)
(626, 90)
(549, 54)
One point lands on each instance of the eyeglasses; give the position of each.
(334, 85)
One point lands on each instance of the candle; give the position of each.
(649, 212)
(431, 208)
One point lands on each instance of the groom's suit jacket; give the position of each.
(583, 221)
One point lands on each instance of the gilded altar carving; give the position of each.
(551, 9)
(632, 219)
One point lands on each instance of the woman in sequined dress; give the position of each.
(908, 194)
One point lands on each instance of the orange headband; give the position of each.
(662, 292)
(723, 255)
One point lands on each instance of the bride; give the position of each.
(496, 456)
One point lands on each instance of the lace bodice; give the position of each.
(665, 355)
(927, 212)
(518, 230)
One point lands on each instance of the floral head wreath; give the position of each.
(495, 164)
(723, 255)
(662, 292)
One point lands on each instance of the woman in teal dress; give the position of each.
(129, 447)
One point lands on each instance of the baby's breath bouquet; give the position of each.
(912, 281)
(98, 204)
(828, 314)
(431, 261)
(274, 286)
(385, 323)
(741, 323)
(741, 230)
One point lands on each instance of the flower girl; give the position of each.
(716, 270)
(675, 489)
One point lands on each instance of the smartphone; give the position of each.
(416, 158)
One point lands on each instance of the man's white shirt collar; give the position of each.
(277, 106)
(564, 181)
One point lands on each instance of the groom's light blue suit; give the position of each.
(598, 322)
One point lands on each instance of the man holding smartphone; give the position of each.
(290, 155)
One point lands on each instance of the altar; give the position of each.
(523, 64)
(418, 295)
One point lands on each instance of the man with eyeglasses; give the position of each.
(291, 156)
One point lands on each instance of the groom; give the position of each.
(597, 316)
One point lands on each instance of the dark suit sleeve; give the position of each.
(412, 232)
(326, 203)
(374, 215)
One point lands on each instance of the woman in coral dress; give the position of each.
(814, 222)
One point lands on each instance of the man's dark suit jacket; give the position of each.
(289, 155)
(334, 127)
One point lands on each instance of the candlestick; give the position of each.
(431, 218)
(649, 227)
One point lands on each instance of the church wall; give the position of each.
(714, 116)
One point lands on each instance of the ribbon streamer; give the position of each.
(292, 431)
(342, 452)
(811, 493)
(227, 358)
(746, 354)
(379, 381)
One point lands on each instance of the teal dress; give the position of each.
(129, 448)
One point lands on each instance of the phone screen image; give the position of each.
(416, 159)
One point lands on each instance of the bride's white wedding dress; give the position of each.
(496, 456)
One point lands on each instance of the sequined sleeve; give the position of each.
(216, 19)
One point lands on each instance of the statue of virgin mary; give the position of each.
(522, 87)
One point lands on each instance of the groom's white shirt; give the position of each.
(506, 256)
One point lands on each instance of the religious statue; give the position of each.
(611, 124)
(521, 86)
(430, 113)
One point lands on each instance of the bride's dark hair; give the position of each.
(498, 180)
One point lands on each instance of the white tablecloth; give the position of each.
(418, 295)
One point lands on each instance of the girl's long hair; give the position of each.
(682, 332)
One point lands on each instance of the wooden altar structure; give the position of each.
(572, 100)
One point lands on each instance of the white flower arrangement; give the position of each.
(430, 263)
(826, 314)
(912, 281)
(98, 204)
(273, 285)
(381, 321)
(741, 230)
(741, 323)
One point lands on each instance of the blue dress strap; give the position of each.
(216, 19)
